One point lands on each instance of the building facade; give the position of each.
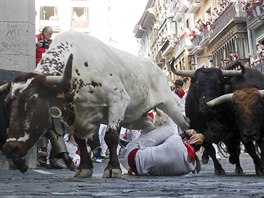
(89, 16)
(201, 33)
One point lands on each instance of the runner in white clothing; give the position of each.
(161, 151)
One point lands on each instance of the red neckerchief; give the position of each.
(180, 92)
(190, 149)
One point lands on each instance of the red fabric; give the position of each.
(180, 92)
(151, 115)
(78, 152)
(131, 161)
(40, 50)
(190, 149)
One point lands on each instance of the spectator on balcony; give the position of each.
(260, 51)
(217, 12)
(214, 16)
(201, 25)
(250, 9)
(226, 61)
(192, 35)
(237, 55)
(209, 23)
(222, 64)
(232, 57)
(253, 59)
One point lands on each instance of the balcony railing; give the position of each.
(256, 18)
(232, 65)
(166, 48)
(183, 43)
(234, 12)
(259, 65)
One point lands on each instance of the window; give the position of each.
(80, 17)
(80, 13)
(48, 13)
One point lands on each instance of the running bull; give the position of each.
(102, 85)
(216, 123)
(56, 139)
(246, 103)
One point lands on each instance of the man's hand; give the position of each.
(196, 138)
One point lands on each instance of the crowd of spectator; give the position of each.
(204, 27)
(255, 59)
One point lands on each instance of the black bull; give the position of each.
(220, 123)
(56, 139)
(217, 123)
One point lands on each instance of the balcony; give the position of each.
(148, 19)
(259, 65)
(184, 43)
(166, 48)
(146, 22)
(139, 31)
(160, 60)
(234, 13)
(256, 19)
(233, 66)
(194, 5)
(205, 37)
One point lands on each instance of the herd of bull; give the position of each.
(227, 106)
(100, 84)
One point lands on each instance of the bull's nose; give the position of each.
(14, 150)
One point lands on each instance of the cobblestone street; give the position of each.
(60, 183)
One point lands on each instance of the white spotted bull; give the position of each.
(99, 83)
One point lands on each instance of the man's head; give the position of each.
(47, 32)
(178, 83)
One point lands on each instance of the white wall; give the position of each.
(17, 34)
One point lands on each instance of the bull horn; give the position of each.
(219, 100)
(230, 73)
(4, 88)
(185, 73)
(57, 80)
(261, 92)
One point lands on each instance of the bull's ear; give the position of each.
(4, 88)
(61, 80)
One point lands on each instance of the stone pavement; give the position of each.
(44, 182)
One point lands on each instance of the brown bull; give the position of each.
(248, 110)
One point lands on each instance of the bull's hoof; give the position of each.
(205, 160)
(83, 173)
(68, 161)
(21, 165)
(23, 168)
(220, 172)
(232, 160)
(259, 172)
(239, 171)
(112, 173)
(70, 165)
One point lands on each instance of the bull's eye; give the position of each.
(33, 99)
